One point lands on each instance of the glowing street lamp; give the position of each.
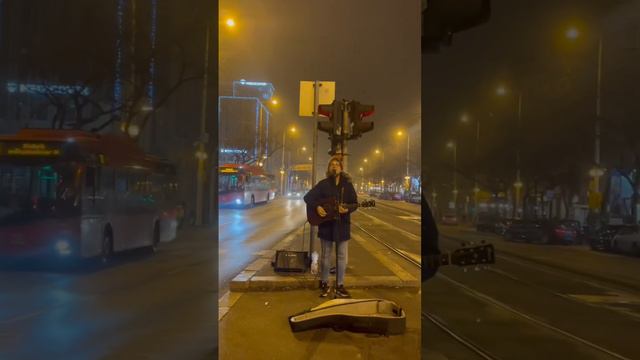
(134, 130)
(230, 22)
(572, 33)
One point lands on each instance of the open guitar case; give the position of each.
(291, 260)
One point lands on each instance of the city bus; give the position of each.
(74, 194)
(244, 185)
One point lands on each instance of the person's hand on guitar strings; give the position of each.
(321, 211)
(342, 210)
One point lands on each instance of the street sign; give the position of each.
(326, 95)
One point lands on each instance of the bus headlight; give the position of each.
(63, 247)
(238, 201)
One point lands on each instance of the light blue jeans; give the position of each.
(341, 260)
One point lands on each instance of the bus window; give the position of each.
(31, 192)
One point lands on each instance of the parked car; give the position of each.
(487, 222)
(385, 196)
(396, 196)
(415, 199)
(542, 231)
(449, 219)
(627, 240)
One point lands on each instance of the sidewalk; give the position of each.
(254, 314)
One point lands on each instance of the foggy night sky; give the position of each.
(369, 48)
(521, 46)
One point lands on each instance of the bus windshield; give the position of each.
(230, 182)
(31, 192)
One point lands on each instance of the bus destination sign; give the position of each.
(28, 149)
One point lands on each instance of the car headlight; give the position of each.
(63, 247)
(288, 194)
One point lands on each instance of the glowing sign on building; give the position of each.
(40, 89)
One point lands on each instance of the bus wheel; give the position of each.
(107, 248)
(156, 238)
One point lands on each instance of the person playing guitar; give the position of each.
(333, 199)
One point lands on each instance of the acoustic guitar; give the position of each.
(330, 205)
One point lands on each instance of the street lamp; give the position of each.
(274, 101)
(401, 133)
(284, 139)
(465, 119)
(230, 22)
(573, 33)
(380, 154)
(134, 130)
(454, 146)
(502, 91)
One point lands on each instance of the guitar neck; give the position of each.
(438, 260)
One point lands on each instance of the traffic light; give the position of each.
(357, 113)
(333, 111)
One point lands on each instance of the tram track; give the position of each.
(459, 338)
(469, 344)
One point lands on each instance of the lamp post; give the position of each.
(454, 146)
(282, 168)
(573, 33)
(380, 154)
(502, 91)
(465, 119)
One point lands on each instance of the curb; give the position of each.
(247, 281)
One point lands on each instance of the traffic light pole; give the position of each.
(314, 153)
(346, 123)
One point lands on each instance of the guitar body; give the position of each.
(330, 205)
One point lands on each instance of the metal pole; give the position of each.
(455, 175)
(284, 138)
(201, 147)
(518, 182)
(598, 109)
(408, 140)
(345, 132)
(314, 152)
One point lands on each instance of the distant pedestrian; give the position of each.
(339, 186)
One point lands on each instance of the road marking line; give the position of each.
(406, 233)
(388, 263)
(532, 319)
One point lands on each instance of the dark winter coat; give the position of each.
(338, 229)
